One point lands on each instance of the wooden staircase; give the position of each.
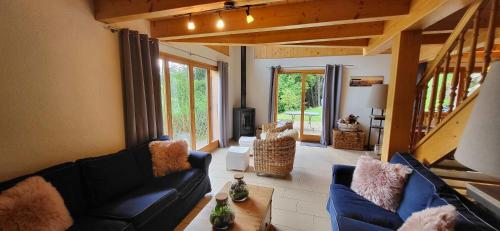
(446, 95)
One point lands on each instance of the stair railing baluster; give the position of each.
(490, 38)
(456, 72)
(432, 103)
(472, 57)
(442, 91)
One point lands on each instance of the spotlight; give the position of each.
(191, 25)
(249, 16)
(220, 22)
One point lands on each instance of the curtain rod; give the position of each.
(346, 65)
(116, 29)
(188, 52)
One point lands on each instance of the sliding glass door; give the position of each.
(299, 99)
(179, 99)
(188, 101)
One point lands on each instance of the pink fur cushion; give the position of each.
(33, 204)
(432, 219)
(379, 182)
(169, 156)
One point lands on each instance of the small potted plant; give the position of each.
(239, 189)
(349, 123)
(222, 217)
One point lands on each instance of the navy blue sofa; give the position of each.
(118, 191)
(349, 211)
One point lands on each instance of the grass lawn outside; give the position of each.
(319, 110)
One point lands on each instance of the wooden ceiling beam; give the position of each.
(221, 49)
(335, 43)
(315, 34)
(435, 38)
(272, 52)
(280, 17)
(423, 13)
(112, 11)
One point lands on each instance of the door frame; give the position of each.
(303, 74)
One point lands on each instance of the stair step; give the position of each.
(465, 176)
(451, 164)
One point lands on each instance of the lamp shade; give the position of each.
(479, 147)
(378, 96)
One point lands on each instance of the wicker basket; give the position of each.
(348, 140)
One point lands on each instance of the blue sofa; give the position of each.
(118, 191)
(349, 211)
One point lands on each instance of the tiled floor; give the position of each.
(299, 201)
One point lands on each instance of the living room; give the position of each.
(249, 115)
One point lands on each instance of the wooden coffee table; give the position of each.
(252, 214)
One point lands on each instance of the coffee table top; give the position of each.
(248, 214)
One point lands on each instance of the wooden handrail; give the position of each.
(432, 105)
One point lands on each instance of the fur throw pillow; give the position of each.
(380, 183)
(440, 218)
(169, 156)
(289, 132)
(33, 204)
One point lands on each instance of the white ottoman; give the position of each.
(247, 141)
(237, 158)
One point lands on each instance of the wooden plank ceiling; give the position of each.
(315, 27)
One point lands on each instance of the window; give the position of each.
(190, 101)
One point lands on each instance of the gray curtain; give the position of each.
(223, 103)
(332, 86)
(274, 75)
(141, 87)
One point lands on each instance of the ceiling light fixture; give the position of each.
(220, 22)
(249, 16)
(191, 25)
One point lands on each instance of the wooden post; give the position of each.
(402, 92)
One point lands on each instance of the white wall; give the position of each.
(353, 99)
(60, 85)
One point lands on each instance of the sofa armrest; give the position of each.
(342, 174)
(200, 160)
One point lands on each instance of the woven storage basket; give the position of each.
(348, 140)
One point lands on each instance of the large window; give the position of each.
(189, 102)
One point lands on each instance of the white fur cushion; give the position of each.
(289, 132)
(379, 182)
(440, 218)
(33, 204)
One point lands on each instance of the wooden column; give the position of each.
(402, 92)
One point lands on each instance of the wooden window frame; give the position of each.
(303, 73)
(191, 64)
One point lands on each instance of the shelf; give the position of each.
(377, 127)
(378, 117)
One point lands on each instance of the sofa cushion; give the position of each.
(420, 186)
(346, 203)
(184, 182)
(139, 205)
(106, 177)
(469, 217)
(66, 178)
(86, 223)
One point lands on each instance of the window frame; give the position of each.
(166, 58)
